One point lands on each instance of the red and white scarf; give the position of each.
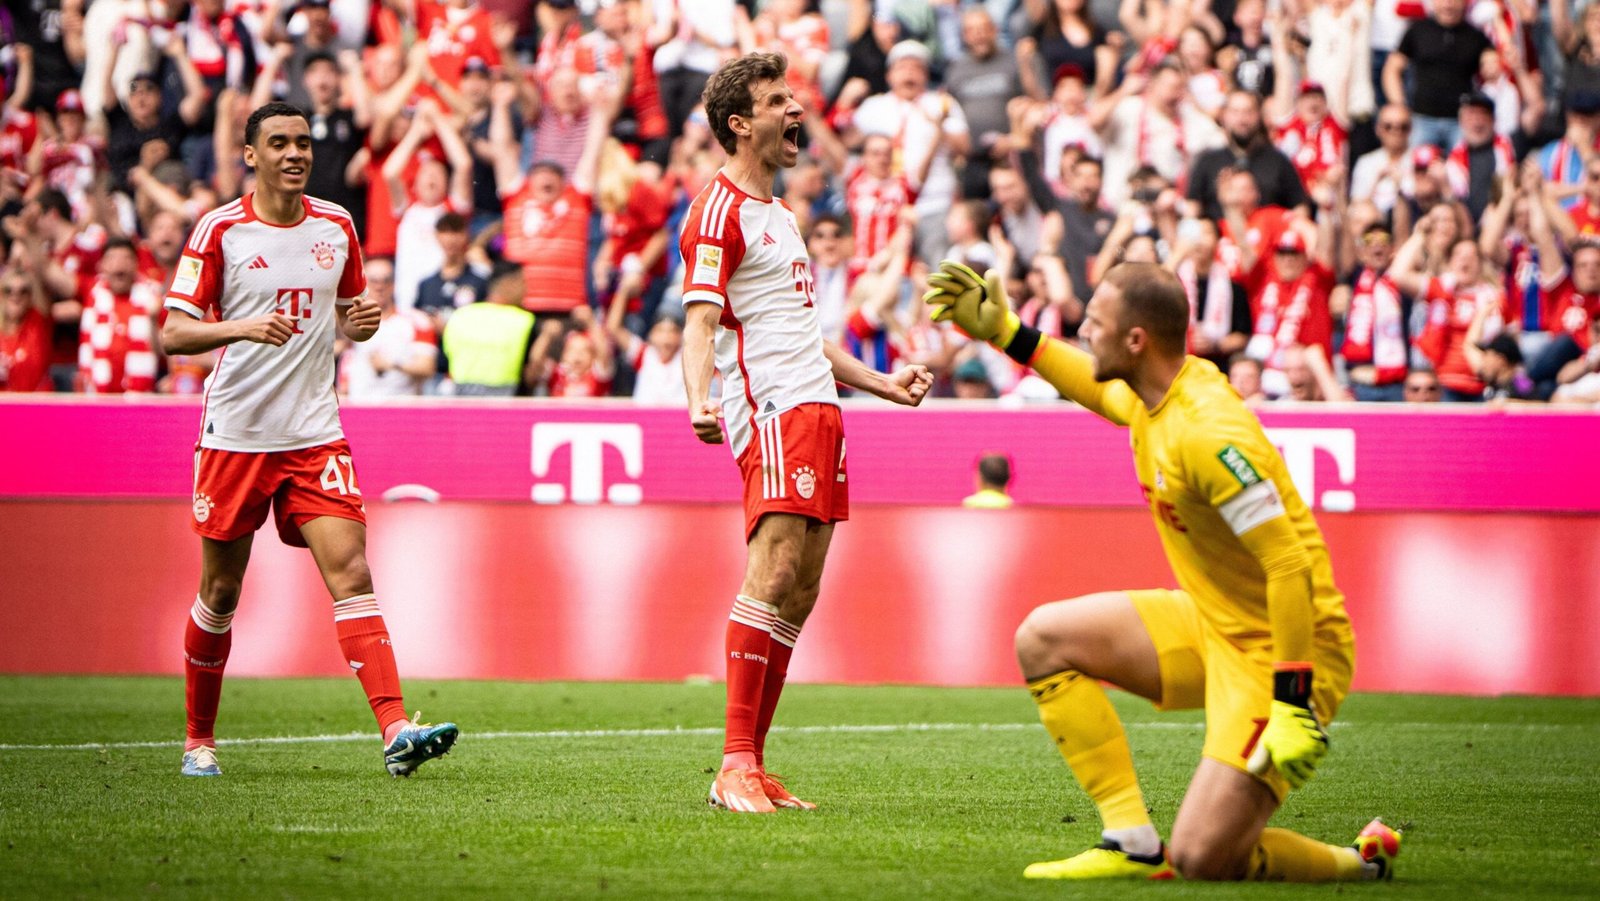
(1374, 333)
(1211, 304)
(1284, 307)
(98, 330)
(1458, 168)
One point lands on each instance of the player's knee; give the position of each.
(221, 593)
(349, 577)
(1206, 863)
(1037, 653)
(774, 582)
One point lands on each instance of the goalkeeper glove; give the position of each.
(976, 304)
(1293, 740)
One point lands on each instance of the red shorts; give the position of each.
(795, 464)
(233, 489)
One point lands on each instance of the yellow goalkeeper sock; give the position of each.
(1284, 856)
(1085, 727)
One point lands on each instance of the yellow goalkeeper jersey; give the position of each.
(1229, 518)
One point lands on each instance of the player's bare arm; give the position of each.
(184, 334)
(699, 361)
(907, 385)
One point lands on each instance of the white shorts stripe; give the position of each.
(778, 445)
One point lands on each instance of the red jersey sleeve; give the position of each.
(353, 281)
(712, 245)
(197, 281)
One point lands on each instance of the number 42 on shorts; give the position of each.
(340, 475)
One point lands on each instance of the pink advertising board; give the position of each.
(1342, 458)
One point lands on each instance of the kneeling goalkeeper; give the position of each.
(1257, 634)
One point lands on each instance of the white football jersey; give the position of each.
(746, 256)
(261, 398)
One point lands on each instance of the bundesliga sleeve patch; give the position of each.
(707, 265)
(1251, 507)
(187, 278)
(1239, 466)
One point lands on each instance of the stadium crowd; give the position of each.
(1376, 200)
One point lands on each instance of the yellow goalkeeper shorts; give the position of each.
(1231, 678)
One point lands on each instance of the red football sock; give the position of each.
(365, 642)
(206, 641)
(784, 636)
(748, 643)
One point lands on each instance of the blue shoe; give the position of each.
(202, 761)
(418, 743)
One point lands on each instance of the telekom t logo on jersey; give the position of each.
(295, 303)
(587, 442)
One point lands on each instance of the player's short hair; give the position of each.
(252, 126)
(729, 93)
(1098, 164)
(51, 200)
(1152, 299)
(995, 469)
(451, 222)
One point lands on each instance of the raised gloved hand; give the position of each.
(976, 304)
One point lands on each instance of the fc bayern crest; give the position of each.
(805, 482)
(323, 251)
(202, 507)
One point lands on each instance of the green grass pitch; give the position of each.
(597, 790)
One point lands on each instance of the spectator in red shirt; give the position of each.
(1249, 230)
(586, 365)
(558, 49)
(24, 334)
(616, 52)
(1452, 300)
(1571, 301)
(454, 31)
(1290, 310)
(117, 351)
(546, 214)
(1312, 138)
(630, 266)
(58, 250)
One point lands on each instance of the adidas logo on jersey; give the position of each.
(768, 239)
(260, 262)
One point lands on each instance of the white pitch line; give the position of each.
(859, 728)
(572, 733)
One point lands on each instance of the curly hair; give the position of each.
(728, 93)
